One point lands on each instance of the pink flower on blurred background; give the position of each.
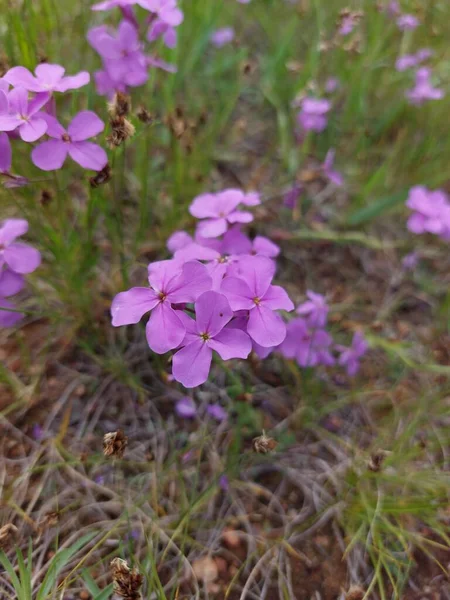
(309, 346)
(19, 113)
(218, 211)
(186, 408)
(423, 89)
(222, 37)
(407, 61)
(431, 212)
(10, 283)
(407, 22)
(350, 357)
(50, 155)
(47, 78)
(315, 309)
(327, 168)
(192, 363)
(312, 116)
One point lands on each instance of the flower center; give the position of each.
(205, 337)
(223, 259)
(162, 296)
(257, 301)
(66, 137)
(24, 118)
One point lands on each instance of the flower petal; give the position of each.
(84, 125)
(73, 82)
(212, 228)
(22, 77)
(266, 327)
(203, 206)
(88, 155)
(8, 318)
(239, 216)
(18, 100)
(32, 130)
(50, 155)
(22, 258)
(10, 283)
(129, 307)
(37, 103)
(213, 312)
(193, 281)
(276, 298)
(165, 330)
(12, 229)
(191, 364)
(257, 272)
(264, 247)
(49, 74)
(237, 293)
(231, 343)
(5, 153)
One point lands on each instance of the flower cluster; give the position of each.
(431, 212)
(423, 89)
(313, 114)
(28, 111)
(16, 260)
(125, 63)
(215, 294)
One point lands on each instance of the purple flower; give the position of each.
(192, 363)
(170, 284)
(218, 210)
(292, 196)
(159, 28)
(186, 408)
(217, 412)
(331, 85)
(347, 25)
(423, 89)
(8, 315)
(49, 78)
(350, 357)
(249, 288)
(407, 61)
(222, 37)
(312, 116)
(327, 168)
(310, 347)
(122, 55)
(37, 432)
(10, 283)
(178, 240)
(50, 155)
(407, 22)
(166, 10)
(410, 261)
(16, 112)
(431, 212)
(224, 483)
(19, 257)
(315, 309)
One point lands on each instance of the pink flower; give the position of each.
(312, 116)
(10, 283)
(315, 309)
(219, 210)
(407, 22)
(431, 212)
(350, 357)
(327, 167)
(186, 408)
(192, 363)
(170, 284)
(50, 155)
(423, 89)
(166, 10)
(17, 256)
(159, 28)
(249, 288)
(222, 37)
(17, 113)
(49, 78)
(407, 61)
(309, 346)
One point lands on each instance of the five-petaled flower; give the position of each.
(19, 113)
(219, 211)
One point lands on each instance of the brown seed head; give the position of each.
(102, 177)
(121, 130)
(7, 535)
(45, 198)
(120, 105)
(114, 444)
(355, 592)
(263, 444)
(144, 115)
(127, 582)
(376, 460)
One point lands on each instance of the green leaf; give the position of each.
(90, 584)
(376, 208)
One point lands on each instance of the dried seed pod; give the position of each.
(114, 444)
(45, 198)
(7, 535)
(50, 520)
(355, 592)
(144, 115)
(127, 582)
(376, 460)
(120, 105)
(101, 177)
(122, 129)
(264, 444)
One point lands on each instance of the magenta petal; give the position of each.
(240, 217)
(54, 127)
(18, 100)
(238, 293)
(162, 274)
(84, 125)
(171, 16)
(231, 343)
(8, 318)
(21, 258)
(4, 104)
(74, 82)
(10, 283)
(266, 327)
(276, 298)
(257, 272)
(12, 229)
(88, 155)
(165, 330)
(9, 122)
(265, 247)
(5, 153)
(129, 307)
(37, 103)
(178, 240)
(186, 408)
(203, 206)
(50, 155)
(213, 312)
(194, 251)
(191, 364)
(194, 280)
(32, 130)
(212, 228)
(51, 74)
(21, 77)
